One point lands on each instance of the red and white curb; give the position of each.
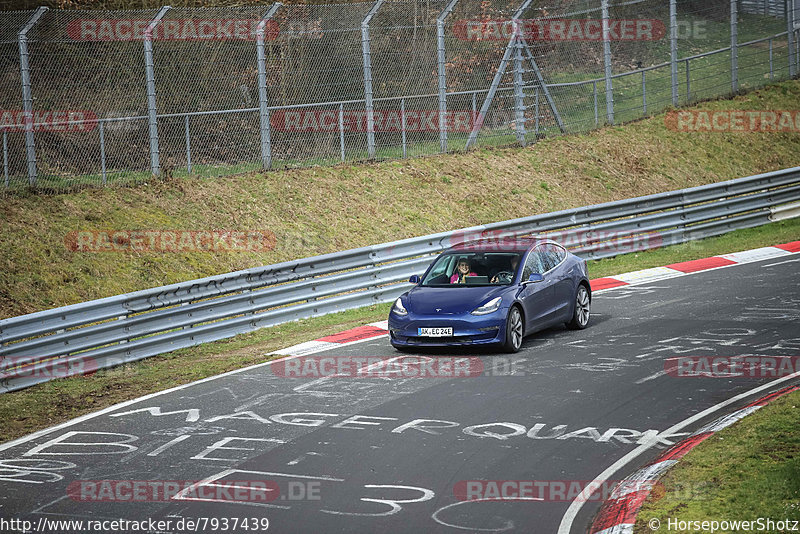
(348, 337)
(618, 513)
(645, 276)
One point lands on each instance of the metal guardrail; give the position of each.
(83, 337)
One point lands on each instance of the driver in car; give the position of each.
(506, 276)
(463, 270)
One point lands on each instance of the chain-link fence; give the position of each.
(98, 97)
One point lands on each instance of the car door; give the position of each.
(561, 281)
(537, 297)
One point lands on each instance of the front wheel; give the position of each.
(514, 331)
(580, 317)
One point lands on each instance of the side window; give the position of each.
(533, 264)
(442, 267)
(562, 254)
(553, 256)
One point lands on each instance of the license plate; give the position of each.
(435, 332)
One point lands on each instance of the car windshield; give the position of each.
(473, 268)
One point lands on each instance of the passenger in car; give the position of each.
(463, 270)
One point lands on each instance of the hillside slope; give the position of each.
(319, 210)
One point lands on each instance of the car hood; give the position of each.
(450, 300)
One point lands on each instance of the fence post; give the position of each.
(487, 102)
(644, 92)
(519, 96)
(263, 103)
(442, 68)
(688, 82)
(341, 132)
(607, 62)
(27, 98)
(155, 166)
(673, 45)
(403, 125)
(771, 61)
(188, 144)
(365, 50)
(5, 155)
(734, 47)
(102, 151)
(790, 18)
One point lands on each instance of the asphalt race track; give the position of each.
(353, 454)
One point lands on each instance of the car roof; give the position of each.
(500, 244)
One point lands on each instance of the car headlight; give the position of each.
(398, 307)
(491, 306)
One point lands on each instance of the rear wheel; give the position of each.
(583, 303)
(514, 330)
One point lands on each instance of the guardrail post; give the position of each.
(487, 102)
(365, 51)
(263, 103)
(155, 166)
(734, 46)
(790, 21)
(607, 63)
(27, 98)
(442, 68)
(673, 45)
(519, 95)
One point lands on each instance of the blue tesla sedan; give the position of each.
(492, 292)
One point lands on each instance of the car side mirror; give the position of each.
(535, 278)
(414, 279)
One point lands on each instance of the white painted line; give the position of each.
(384, 325)
(308, 347)
(565, 526)
(782, 262)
